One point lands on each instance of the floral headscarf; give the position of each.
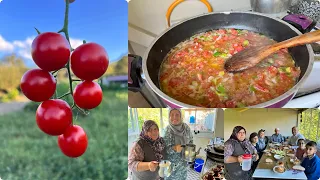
(156, 145)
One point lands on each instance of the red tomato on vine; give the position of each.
(54, 116)
(89, 61)
(38, 85)
(73, 143)
(50, 51)
(87, 95)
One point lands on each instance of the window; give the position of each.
(200, 120)
(310, 124)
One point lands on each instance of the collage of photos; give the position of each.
(160, 90)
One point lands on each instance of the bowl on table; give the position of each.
(278, 157)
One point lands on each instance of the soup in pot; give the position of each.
(193, 71)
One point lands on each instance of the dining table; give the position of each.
(264, 170)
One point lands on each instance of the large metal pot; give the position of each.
(270, 6)
(274, 28)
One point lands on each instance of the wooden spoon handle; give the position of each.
(307, 38)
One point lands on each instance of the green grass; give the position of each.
(28, 153)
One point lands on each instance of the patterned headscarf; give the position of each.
(245, 143)
(156, 145)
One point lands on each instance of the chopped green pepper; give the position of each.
(221, 89)
(245, 42)
(240, 105)
(217, 54)
(252, 89)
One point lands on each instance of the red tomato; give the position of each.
(89, 61)
(174, 82)
(50, 51)
(231, 51)
(230, 104)
(73, 142)
(239, 48)
(54, 116)
(272, 70)
(87, 94)
(38, 85)
(234, 32)
(206, 54)
(222, 31)
(221, 105)
(260, 88)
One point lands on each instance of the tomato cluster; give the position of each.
(51, 52)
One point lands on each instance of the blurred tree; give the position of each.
(310, 125)
(11, 70)
(118, 68)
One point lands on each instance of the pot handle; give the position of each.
(303, 23)
(176, 2)
(134, 73)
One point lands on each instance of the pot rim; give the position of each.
(291, 91)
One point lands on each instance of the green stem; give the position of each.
(65, 31)
(37, 31)
(66, 94)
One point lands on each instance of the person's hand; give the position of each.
(177, 148)
(240, 159)
(153, 165)
(304, 155)
(256, 157)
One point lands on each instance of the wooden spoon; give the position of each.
(251, 56)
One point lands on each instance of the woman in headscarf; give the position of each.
(177, 134)
(146, 153)
(263, 140)
(236, 146)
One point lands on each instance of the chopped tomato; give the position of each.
(174, 82)
(260, 88)
(226, 38)
(239, 48)
(272, 70)
(234, 32)
(221, 105)
(199, 77)
(206, 54)
(222, 31)
(230, 104)
(231, 51)
(235, 45)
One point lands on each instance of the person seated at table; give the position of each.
(277, 137)
(293, 140)
(301, 149)
(254, 141)
(263, 140)
(236, 146)
(311, 162)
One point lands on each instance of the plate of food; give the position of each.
(278, 157)
(269, 154)
(279, 169)
(278, 152)
(215, 172)
(298, 168)
(268, 160)
(266, 151)
(295, 161)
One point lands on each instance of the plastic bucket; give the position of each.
(198, 164)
